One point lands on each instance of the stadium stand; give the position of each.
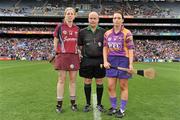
(157, 50)
(26, 48)
(27, 26)
(104, 7)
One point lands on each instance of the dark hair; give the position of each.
(120, 13)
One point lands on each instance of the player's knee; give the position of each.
(61, 81)
(72, 81)
(124, 87)
(111, 88)
(63, 78)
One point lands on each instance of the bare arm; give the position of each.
(105, 54)
(55, 43)
(130, 46)
(80, 51)
(131, 57)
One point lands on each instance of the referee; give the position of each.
(91, 46)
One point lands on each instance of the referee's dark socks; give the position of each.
(87, 90)
(99, 92)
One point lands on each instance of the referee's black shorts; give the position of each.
(92, 72)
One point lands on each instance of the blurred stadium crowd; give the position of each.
(157, 50)
(50, 29)
(26, 48)
(41, 49)
(138, 8)
(32, 28)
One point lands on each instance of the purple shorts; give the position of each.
(118, 61)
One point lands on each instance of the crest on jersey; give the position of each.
(110, 38)
(64, 32)
(115, 37)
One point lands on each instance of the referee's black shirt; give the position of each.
(92, 45)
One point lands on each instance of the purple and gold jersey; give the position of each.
(118, 43)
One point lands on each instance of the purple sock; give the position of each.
(123, 105)
(113, 102)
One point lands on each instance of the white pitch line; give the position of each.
(96, 113)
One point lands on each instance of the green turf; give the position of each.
(28, 92)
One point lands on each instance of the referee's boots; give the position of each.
(100, 108)
(87, 108)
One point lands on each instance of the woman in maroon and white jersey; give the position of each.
(67, 58)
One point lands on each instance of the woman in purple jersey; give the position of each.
(118, 52)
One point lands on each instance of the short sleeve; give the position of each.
(105, 44)
(129, 40)
(56, 31)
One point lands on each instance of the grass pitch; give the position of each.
(28, 92)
